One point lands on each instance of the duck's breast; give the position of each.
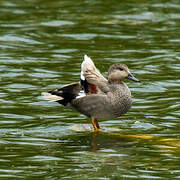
(121, 99)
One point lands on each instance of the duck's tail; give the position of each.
(64, 95)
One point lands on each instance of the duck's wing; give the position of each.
(92, 82)
(91, 78)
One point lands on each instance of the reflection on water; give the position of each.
(42, 46)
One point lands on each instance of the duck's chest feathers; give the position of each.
(121, 98)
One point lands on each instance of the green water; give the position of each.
(42, 44)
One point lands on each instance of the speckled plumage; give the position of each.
(110, 97)
(113, 103)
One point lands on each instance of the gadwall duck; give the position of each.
(95, 96)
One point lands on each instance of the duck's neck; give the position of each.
(115, 81)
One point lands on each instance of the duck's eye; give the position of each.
(121, 69)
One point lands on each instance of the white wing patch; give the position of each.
(82, 76)
(87, 62)
(81, 94)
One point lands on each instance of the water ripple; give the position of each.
(42, 47)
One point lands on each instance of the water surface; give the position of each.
(42, 44)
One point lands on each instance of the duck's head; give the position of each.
(118, 72)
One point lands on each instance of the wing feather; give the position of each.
(93, 75)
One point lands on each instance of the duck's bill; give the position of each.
(131, 77)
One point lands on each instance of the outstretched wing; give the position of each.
(91, 75)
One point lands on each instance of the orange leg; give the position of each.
(95, 124)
